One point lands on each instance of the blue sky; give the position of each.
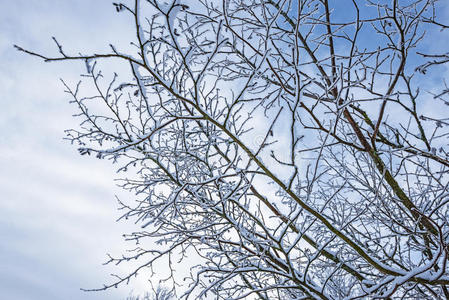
(57, 209)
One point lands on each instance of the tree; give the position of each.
(160, 293)
(287, 145)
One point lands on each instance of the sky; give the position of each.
(57, 209)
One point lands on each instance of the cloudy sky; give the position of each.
(57, 209)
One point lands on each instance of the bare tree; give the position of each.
(287, 145)
(160, 293)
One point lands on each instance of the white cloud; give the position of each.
(57, 209)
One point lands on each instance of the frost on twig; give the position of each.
(277, 146)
